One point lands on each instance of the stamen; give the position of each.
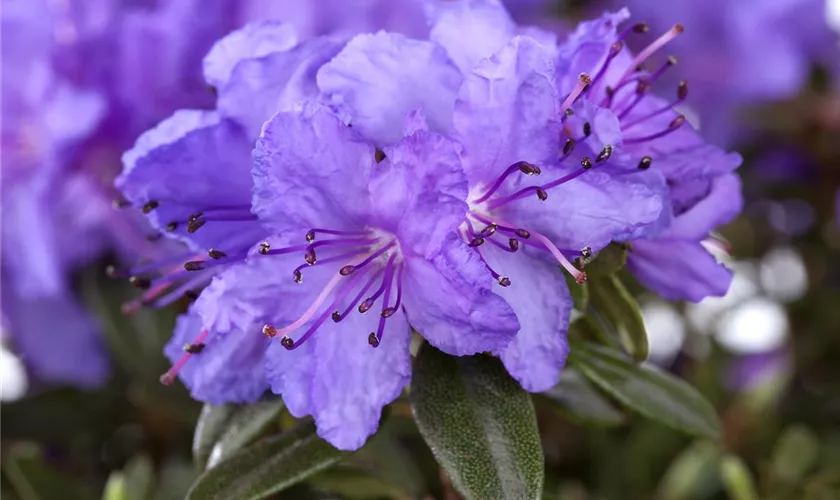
(265, 249)
(604, 155)
(651, 49)
(579, 276)
(640, 28)
(615, 49)
(675, 124)
(389, 311)
(309, 254)
(388, 280)
(149, 206)
(169, 377)
(682, 94)
(351, 268)
(358, 297)
(216, 254)
(271, 331)
(310, 235)
(644, 163)
(583, 81)
(342, 257)
(120, 202)
(522, 166)
(502, 280)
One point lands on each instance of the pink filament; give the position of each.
(580, 276)
(650, 50)
(583, 82)
(169, 377)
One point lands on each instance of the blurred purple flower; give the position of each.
(742, 53)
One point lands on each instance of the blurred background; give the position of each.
(81, 80)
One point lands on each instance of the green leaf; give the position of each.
(139, 478)
(608, 261)
(267, 466)
(480, 425)
(576, 398)
(795, 454)
(617, 312)
(737, 479)
(693, 473)
(652, 393)
(115, 488)
(222, 430)
(357, 483)
(32, 479)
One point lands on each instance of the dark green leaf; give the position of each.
(654, 394)
(581, 402)
(222, 430)
(608, 261)
(267, 466)
(617, 311)
(139, 477)
(32, 479)
(480, 425)
(737, 479)
(357, 483)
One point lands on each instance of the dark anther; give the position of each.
(347, 270)
(504, 281)
(523, 233)
(585, 163)
(167, 379)
(154, 237)
(264, 248)
(336, 316)
(682, 90)
(569, 112)
(373, 340)
(195, 225)
(477, 242)
(309, 256)
(195, 265)
(194, 217)
(642, 87)
(587, 129)
(569, 146)
(513, 243)
(298, 276)
(528, 169)
(149, 206)
(609, 91)
(191, 295)
(379, 155)
(616, 48)
(287, 342)
(216, 254)
(269, 331)
(542, 194)
(310, 236)
(365, 306)
(388, 312)
(488, 231)
(141, 283)
(605, 154)
(641, 27)
(645, 162)
(672, 60)
(586, 252)
(120, 202)
(584, 79)
(679, 28)
(193, 348)
(676, 122)
(172, 226)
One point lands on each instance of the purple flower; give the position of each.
(738, 53)
(380, 252)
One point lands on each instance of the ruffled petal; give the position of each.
(258, 87)
(506, 111)
(449, 300)
(485, 23)
(254, 40)
(539, 296)
(192, 162)
(310, 170)
(377, 79)
(419, 192)
(719, 207)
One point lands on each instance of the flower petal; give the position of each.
(191, 162)
(448, 300)
(310, 170)
(253, 40)
(506, 111)
(377, 79)
(539, 296)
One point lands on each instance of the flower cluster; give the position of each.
(348, 191)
